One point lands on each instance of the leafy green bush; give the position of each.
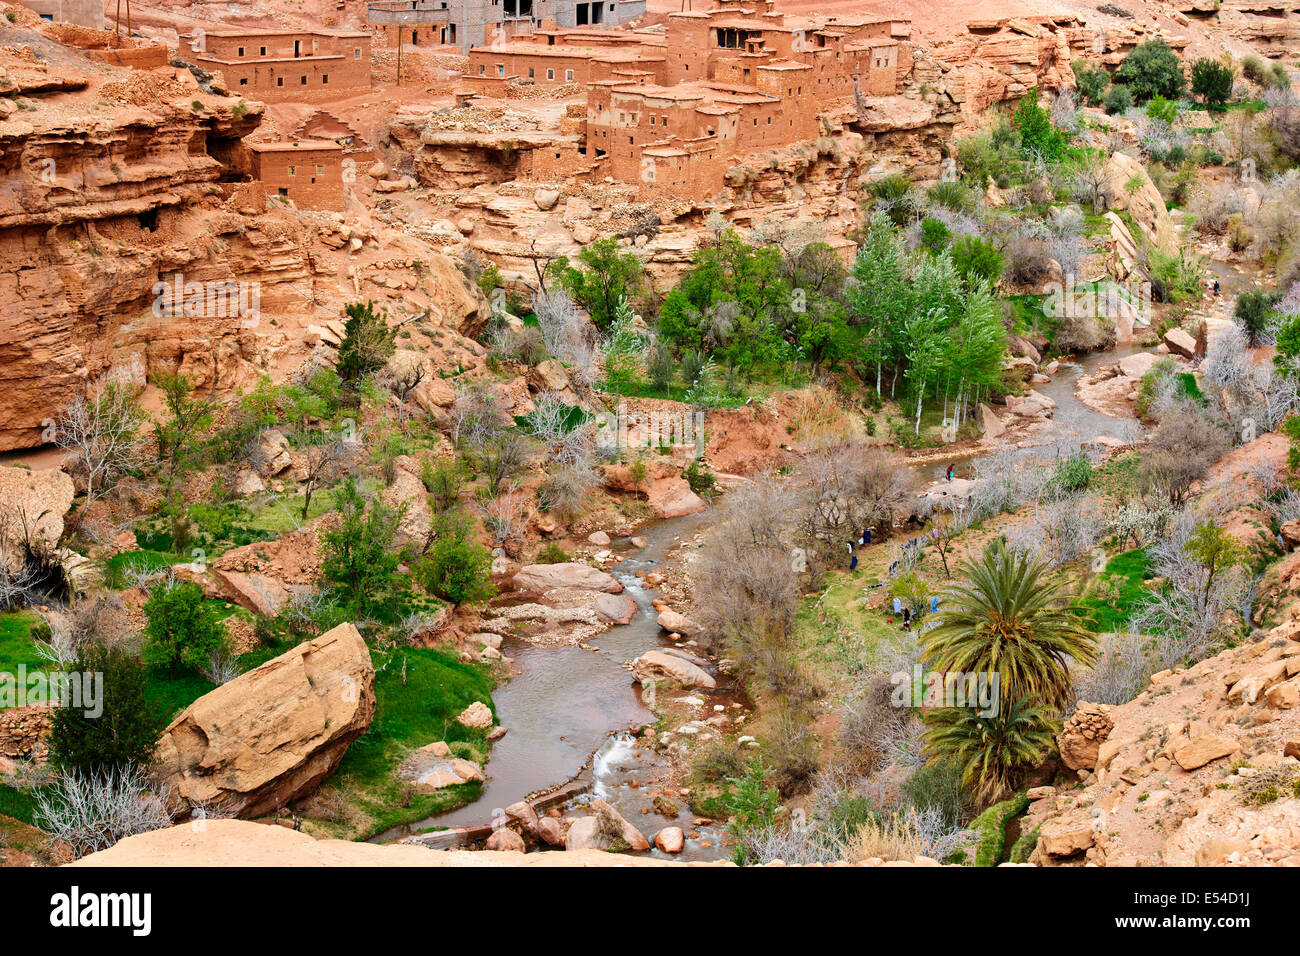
(1092, 81)
(1254, 69)
(1152, 69)
(551, 553)
(367, 343)
(699, 477)
(1038, 137)
(1118, 100)
(935, 235)
(889, 192)
(1212, 81)
(358, 556)
(1176, 278)
(603, 276)
(1072, 474)
(181, 628)
(457, 568)
(1254, 312)
(976, 258)
(1159, 108)
(952, 194)
(124, 734)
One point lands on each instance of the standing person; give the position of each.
(907, 618)
(951, 471)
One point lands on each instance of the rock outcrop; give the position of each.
(32, 506)
(1083, 735)
(1194, 771)
(273, 734)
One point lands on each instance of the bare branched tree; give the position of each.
(103, 434)
(93, 812)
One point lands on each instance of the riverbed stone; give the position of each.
(568, 574)
(662, 664)
(476, 716)
(670, 840)
(671, 620)
(616, 608)
(506, 839)
(605, 829)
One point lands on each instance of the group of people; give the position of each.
(906, 612)
(854, 545)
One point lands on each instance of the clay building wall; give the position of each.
(286, 65)
(308, 172)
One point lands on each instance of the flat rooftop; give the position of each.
(295, 146)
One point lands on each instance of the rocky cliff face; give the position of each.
(121, 186)
(1201, 769)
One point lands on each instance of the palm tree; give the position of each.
(991, 751)
(1004, 620)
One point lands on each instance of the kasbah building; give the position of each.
(672, 109)
(669, 108)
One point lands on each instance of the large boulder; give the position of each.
(569, 574)
(1181, 342)
(274, 455)
(274, 734)
(671, 620)
(666, 665)
(990, 424)
(604, 830)
(1128, 186)
(32, 504)
(673, 498)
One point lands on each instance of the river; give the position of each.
(567, 709)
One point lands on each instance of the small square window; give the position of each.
(482, 69)
(241, 51)
(530, 72)
(501, 69)
(550, 74)
(568, 75)
(279, 81)
(293, 170)
(243, 81)
(324, 78)
(356, 54)
(320, 170)
(263, 53)
(302, 81)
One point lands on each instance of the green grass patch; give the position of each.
(17, 804)
(409, 714)
(1114, 594)
(147, 560)
(16, 646)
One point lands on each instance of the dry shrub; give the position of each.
(567, 491)
(871, 728)
(1028, 262)
(845, 489)
(1182, 449)
(1214, 208)
(817, 414)
(896, 837)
